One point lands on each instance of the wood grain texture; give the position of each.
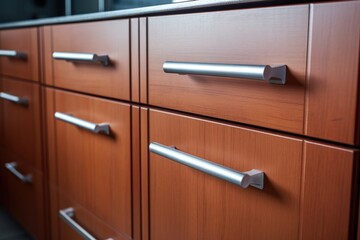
(94, 170)
(144, 140)
(23, 40)
(22, 124)
(25, 201)
(333, 71)
(135, 75)
(95, 226)
(47, 67)
(143, 44)
(188, 204)
(327, 192)
(252, 36)
(103, 38)
(136, 174)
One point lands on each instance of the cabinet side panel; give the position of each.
(327, 192)
(333, 71)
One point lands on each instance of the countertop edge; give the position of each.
(139, 12)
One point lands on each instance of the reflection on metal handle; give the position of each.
(82, 57)
(12, 168)
(253, 178)
(93, 127)
(276, 74)
(13, 54)
(67, 215)
(13, 98)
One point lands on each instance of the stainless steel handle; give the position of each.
(13, 54)
(13, 98)
(67, 215)
(253, 178)
(93, 127)
(275, 75)
(84, 57)
(12, 168)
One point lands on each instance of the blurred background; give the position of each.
(16, 10)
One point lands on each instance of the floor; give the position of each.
(9, 229)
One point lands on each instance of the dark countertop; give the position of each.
(182, 7)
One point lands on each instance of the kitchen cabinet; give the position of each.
(19, 53)
(186, 203)
(93, 169)
(180, 125)
(89, 57)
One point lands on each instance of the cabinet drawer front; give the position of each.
(94, 169)
(110, 38)
(19, 53)
(25, 201)
(188, 204)
(85, 220)
(269, 36)
(21, 120)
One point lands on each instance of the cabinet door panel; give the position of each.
(21, 123)
(94, 170)
(102, 38)
(188, 204)
(25, 201)
(249, 36)
(328, 192)
(25, 41)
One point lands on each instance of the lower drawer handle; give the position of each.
(93, 127)
(67, 215)
(253, 178)
(82, 57)
(275, 75)
(13, 54)
(12, 168)
(14, 99)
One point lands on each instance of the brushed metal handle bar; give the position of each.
(254, 178)
(82, 57)
(93, 127)
(12, 168)
(13, 98)
(274, 75)
(13, 54)
(67, 215)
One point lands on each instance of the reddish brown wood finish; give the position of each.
(327, 192)
(102, 38)
(143, 35)
(255, 36)
(84, 218)
(187, 204)
(23, 40)
(144, 139)
(25, 201)
(135, 75)
(46, 57)
(136, 174)
(22, 125)
(333, 71)
(94, 170)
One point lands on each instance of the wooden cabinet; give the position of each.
(305, 183)
(301, 137)
(266, 36)
(24, 199)
(110, 38)
(94, 170)
(21, 120)
(19, 53)
(21, 152)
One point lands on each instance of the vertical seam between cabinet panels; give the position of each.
(308, 68)
(302, 188)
